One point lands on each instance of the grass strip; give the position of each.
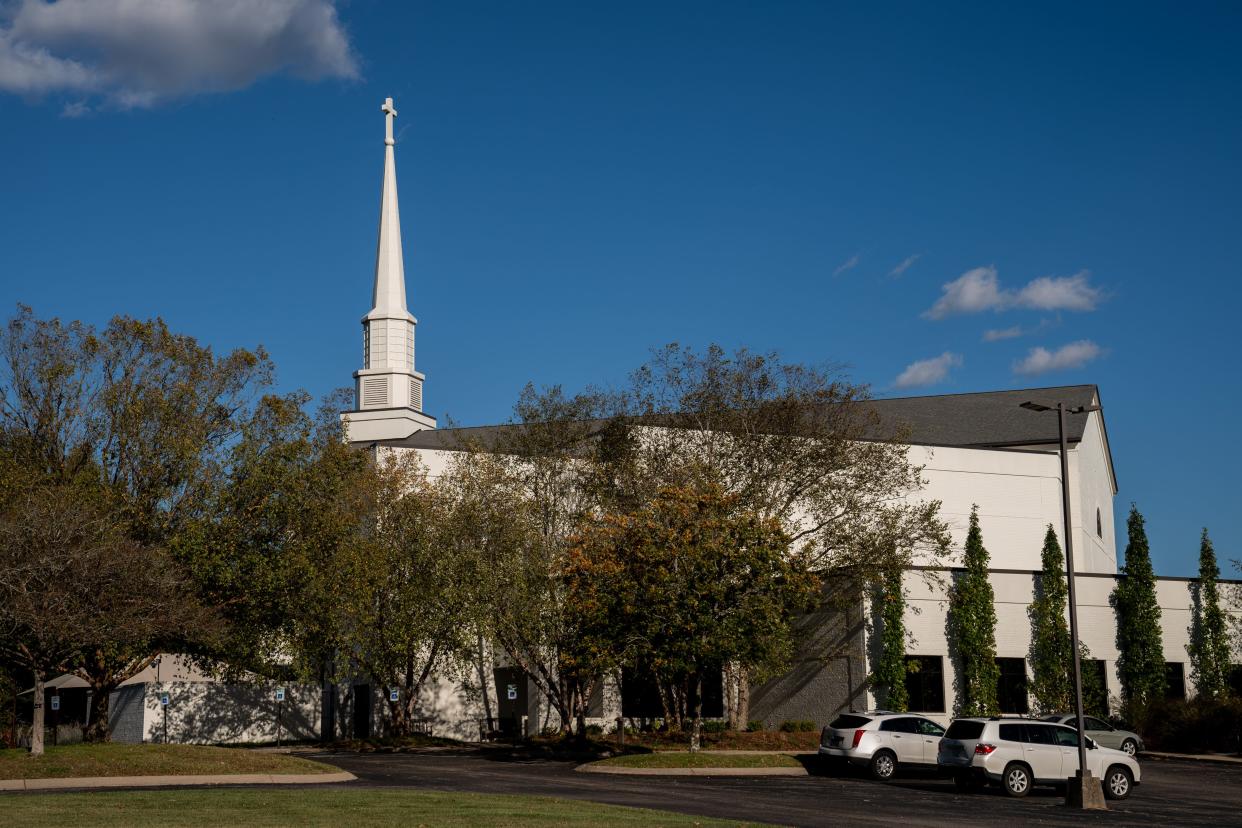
(114, 759)
(244, 806)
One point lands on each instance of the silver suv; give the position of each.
(882, 741)
(1021, 753)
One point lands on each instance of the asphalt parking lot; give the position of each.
(1172, 793)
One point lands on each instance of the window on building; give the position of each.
(1099, 523)
(1011, 690)
(1175, 680)
(925, 683)
(1095, 687)
(1235, 679)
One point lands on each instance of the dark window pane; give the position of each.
(1012, 733)
(963, 729)
(1091, 723)
(1011, 686)
(1067, 737)
(929, 728)
(640, 697)
(847, 720)
(925, 683)
(1041, 734)
(1235, 679)
(1175, 680)
(903, 725)
(1095, 687)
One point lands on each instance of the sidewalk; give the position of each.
(1219, 758)
(47, 784)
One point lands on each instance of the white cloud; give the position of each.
(1074, 355)
(1059, 293)
(997, 334)
(927, 371)
(975, 290)
(848, 264)
(979, 290)
(905, 264)
(143, 52)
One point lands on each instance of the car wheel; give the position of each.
(1130, 746)
(883, 765)
(1118, 782)
(1017, 779)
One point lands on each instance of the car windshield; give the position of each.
(964, 729)
(846, 720)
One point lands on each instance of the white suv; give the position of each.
(1021, 753)
(882, 741)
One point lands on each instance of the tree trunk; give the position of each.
(98, 727)
(483, 682)
(743, 697)
(731, 696)
(696, 731)
(36, 724)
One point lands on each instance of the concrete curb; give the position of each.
(178, 781)
(1191, 757)
(622, 771)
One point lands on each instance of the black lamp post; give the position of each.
(1081, 797)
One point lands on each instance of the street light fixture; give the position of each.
(1087, 793)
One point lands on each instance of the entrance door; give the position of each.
(362, 711)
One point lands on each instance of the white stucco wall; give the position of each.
(1018, 494)
(927, 608)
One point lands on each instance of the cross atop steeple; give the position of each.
(390, 112)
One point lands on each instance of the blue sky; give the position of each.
(581, 182)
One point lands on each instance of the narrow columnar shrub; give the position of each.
(889, 675)
(1051, 655)
(1140, 650)
(1209, 634)
(972, 629)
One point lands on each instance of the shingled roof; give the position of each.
(987, 419)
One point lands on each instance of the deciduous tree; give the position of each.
(795, 443)
(141, 416)
(684, 585)
(70, 578)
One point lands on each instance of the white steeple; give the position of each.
(388, 392)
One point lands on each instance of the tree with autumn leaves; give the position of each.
(683, 585)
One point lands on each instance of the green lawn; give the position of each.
(112, 759)
(246, 806)
(673, 759)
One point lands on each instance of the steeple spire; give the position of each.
(388, 295)
(388, 391)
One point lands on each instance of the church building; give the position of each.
(980, 449)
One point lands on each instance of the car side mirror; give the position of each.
(1091, 745)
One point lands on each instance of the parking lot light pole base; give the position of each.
(1084, 791)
